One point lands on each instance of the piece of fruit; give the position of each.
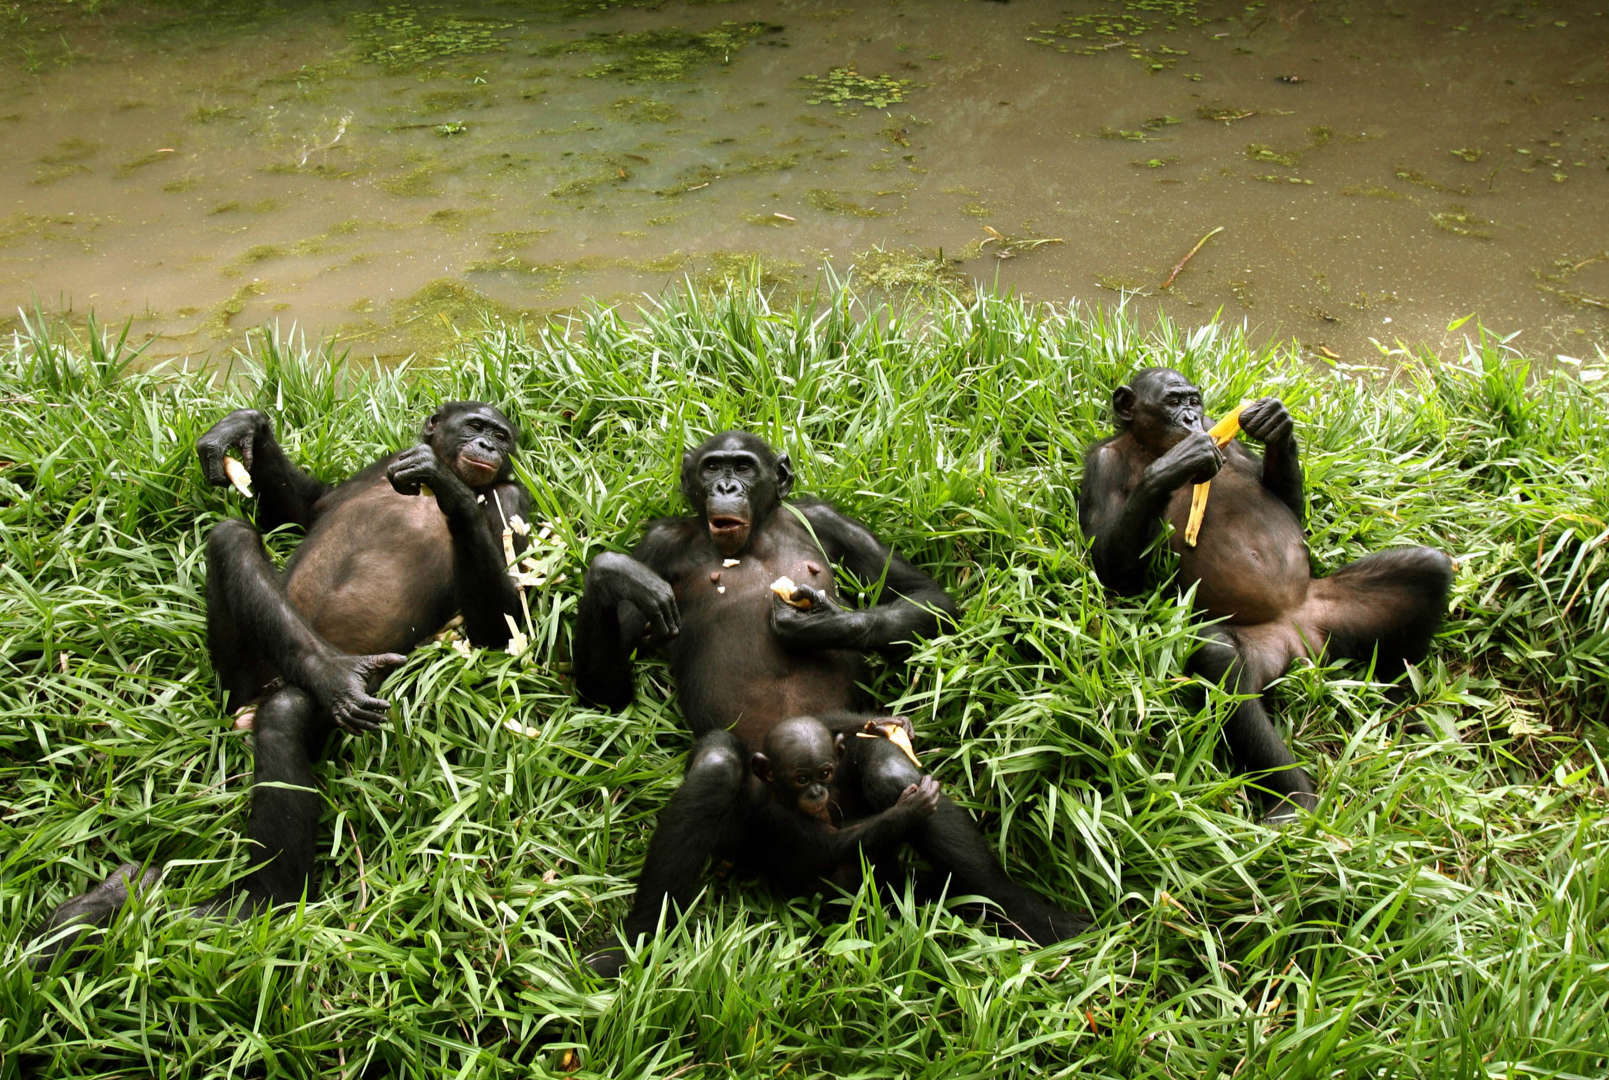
(783, 587)
(238, 475)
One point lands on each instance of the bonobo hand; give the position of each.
(1267, 421)
(1194, 458)
(620, 579)
(876, 723)
(920, 799)
(824, 624)
(420, 465)
(340, 684)
(238, 432)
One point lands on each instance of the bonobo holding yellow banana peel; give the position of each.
(1249, 560)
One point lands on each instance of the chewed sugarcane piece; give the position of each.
(784, 587)
(1222, 433)
(894, 732)
(238, 475)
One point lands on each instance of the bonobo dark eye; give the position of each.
(825, 774)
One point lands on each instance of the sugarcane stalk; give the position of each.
(1223, 433)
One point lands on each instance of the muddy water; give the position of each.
(383, 172)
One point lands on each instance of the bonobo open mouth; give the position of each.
(729, 533)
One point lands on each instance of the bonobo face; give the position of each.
(734, 481)
(799, 762)
(474, 440)
(1159, 406)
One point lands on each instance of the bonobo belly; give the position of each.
(731, 671)
(375, 574)
(1249, 564)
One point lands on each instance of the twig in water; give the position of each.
(1190, 255)
(340, 129)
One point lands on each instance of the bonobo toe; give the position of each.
(606, 963)
(1290, 811)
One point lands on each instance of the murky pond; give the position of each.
(381, 172)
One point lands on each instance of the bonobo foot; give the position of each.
(1290, 809)
(340, 684)
(606, 962)
(72, 922)
(1045, 924)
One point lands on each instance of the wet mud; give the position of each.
(385, 174)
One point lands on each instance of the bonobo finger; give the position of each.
(662, 618)
(359, 721)
(212, 464)
(817, 600)
(378, 665)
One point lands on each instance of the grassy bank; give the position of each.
(1442, 916)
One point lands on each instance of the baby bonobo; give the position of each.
(793, 838)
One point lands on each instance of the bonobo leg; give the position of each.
(1387, 605)
(703, 819)
(1244, 660)
(283, 827)
(951, 842)
(237, 567)
(253, 634)
(66, 927)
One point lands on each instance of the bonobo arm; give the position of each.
(1267, 421)
(285, 494)
(481, 584)
(919, 607)
(1121, 513)
(626, 602)
(850, 724)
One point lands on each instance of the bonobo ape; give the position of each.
(1250, 563)
(745, 660)
(383, 565)
(792, 834)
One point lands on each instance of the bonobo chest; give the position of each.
(732, 670)
(375, 573)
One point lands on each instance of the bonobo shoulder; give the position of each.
(1106, 463)
(665, 539)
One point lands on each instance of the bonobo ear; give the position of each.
(784, 476)
(430, 426)
(838, 745)
(688, 476)
(1123, 404)
(760, 766)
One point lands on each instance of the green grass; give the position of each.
(1443, 915)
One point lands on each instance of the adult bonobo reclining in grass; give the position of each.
(1250, 564)
(745, 660)
(389, 556)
